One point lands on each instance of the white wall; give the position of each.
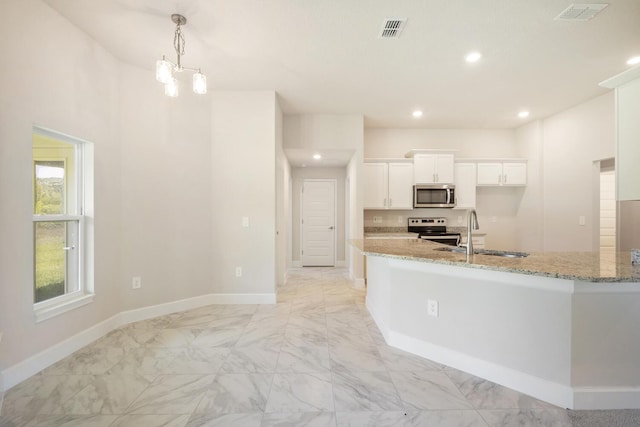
(164, 185)
(395, 143)
(299, 175)
(60, 79)
(283, 202)
(173, 179)
(243, 184)
(529, 224)
(572, 141)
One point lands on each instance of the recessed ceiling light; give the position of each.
(473, 57)
(633, 61)
(317, 156)
(417, 114)
(523, 114)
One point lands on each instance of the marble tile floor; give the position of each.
(315, 358)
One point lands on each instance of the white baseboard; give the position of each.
(359, 283)
(554, 393)
(22, 370)
(341, 264)
(296, 264)
(606, 398)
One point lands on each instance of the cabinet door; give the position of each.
(489, 173)
(514, 174)
(424, 169)
(465, 181)
(400, 186)
(375, 185)
(444, 169)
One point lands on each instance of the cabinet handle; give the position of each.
(384, 203)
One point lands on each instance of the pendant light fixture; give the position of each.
(165, 69)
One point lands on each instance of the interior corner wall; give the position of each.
(63, 96)
(572, 140)
(283, 202)
(243, 185)
(298, 176)
(529, 217)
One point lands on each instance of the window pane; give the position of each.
(49, 187)
(56, 258)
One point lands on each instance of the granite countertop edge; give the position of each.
(486, 264)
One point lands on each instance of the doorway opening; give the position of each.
(608, 211)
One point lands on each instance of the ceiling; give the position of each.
(325, 56)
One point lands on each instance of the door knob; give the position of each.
(331, 228)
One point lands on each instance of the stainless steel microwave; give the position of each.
(434, 196)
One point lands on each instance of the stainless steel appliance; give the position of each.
(434, 196)
(434, 229)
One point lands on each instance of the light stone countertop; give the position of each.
(582, 266)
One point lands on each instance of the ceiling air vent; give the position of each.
(580, 12)
(391, 28)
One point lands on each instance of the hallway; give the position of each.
(314, 359)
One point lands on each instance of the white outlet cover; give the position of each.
(582, 220)
(432, 308)
(245, 221)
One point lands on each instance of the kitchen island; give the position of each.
(562, 327)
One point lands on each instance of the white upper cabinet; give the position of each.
(375, 185)
(465, 181)
(433, 169)
(400, 186)
(388, 186)
(502, 173)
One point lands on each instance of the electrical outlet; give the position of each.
(238, 271)
(400, 219)
(377, 219)
(582, 220)
(432, 308)
(245, 221)
(136, 282)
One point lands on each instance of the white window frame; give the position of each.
(84, 199)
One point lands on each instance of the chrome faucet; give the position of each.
(472, 223)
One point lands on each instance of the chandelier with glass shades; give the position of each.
(166, 70)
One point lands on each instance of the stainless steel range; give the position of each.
(434, 229)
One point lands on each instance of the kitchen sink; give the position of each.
(490, 252)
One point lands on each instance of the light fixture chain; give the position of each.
(179, 43)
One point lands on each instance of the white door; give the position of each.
(318, 223)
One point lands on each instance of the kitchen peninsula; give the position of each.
(562, 327)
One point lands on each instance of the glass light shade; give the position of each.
(163, 71)
(171, 87)
(200, 83)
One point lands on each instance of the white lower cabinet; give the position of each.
(465, 182)
(502, 173)
(388, 186)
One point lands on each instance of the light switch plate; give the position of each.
(245, 221)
